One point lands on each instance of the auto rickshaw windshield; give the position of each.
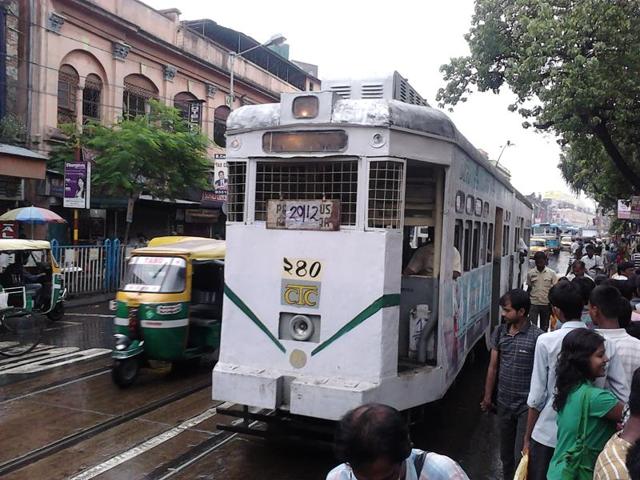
(155, 275)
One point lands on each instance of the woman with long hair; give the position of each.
(587, 415)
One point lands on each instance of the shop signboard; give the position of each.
(624, 209)
(8, 230)
(77, 185)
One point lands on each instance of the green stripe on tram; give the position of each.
(247, 311)
(390, 300)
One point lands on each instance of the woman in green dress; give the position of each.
(587, 415)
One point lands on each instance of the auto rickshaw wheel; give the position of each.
(56, 312)
(124, 372)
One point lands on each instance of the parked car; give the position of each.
(565, 242)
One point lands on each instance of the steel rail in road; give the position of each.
(73, 439)
(57, 384)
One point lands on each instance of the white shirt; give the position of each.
(543, 380)
(627, 348)
(617, 276)
(574, 247)
(592, 263)
(571, 276)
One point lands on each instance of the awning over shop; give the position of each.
(21, 162)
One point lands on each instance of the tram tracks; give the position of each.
(70, 440)
(57, 384)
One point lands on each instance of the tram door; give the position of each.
(497, 260)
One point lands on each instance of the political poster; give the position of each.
(216, 193)
(77, 185)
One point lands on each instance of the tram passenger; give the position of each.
(421, 262)
(373, 442)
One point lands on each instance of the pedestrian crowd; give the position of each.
(564, 371)
(563, 380)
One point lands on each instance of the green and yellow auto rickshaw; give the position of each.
(31, 286)
(169, 306)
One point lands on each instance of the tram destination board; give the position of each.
(303, 215)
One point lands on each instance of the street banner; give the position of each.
(77, 185)
(624, 209)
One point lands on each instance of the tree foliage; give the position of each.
(574, 67)
(157, 154)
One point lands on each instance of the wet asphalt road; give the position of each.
(454, 426)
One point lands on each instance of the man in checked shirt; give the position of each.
(513, 345)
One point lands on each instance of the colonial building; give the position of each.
(101, 60)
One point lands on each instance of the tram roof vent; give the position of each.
(391, 87)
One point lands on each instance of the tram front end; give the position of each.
(312, 277)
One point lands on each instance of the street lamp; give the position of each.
(277, 39)
(508, 144)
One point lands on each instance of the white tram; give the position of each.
(327, 197)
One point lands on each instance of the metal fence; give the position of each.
(92, 268)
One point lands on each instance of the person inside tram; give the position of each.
(422, 259)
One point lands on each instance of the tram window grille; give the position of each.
(329, 180)
(385, 194)
(236, 185)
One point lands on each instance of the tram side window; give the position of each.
(483, 245)
(490, 244)
(516, 238)
(457, 235)
(475, 255)
(467, 246)
(527, 236)
(505, 243)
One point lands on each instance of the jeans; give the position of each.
(512, 427)
(544, 311)
(539, 459)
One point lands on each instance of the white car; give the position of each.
(565, 243)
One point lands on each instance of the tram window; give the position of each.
(516, 238)
(483, 244)
(309, 180)
(505, 237)
(467, 246)
(475, 250)
(385, 186)
(527, 236)
(457, 235)
(236, 185)
(490, 243)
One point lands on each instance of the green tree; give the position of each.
(158, 154)
(574, 68)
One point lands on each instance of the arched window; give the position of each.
(138, 89)
(220, 115)
(91, 98)
(68, 80)
(190, 108)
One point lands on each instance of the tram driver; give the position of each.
(421, 262)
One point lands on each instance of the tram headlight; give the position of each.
(305, 107)
(301, 328)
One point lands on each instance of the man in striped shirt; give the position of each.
(611, 461)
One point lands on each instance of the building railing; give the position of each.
(92, 268)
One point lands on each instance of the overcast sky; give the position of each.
(360, 38)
